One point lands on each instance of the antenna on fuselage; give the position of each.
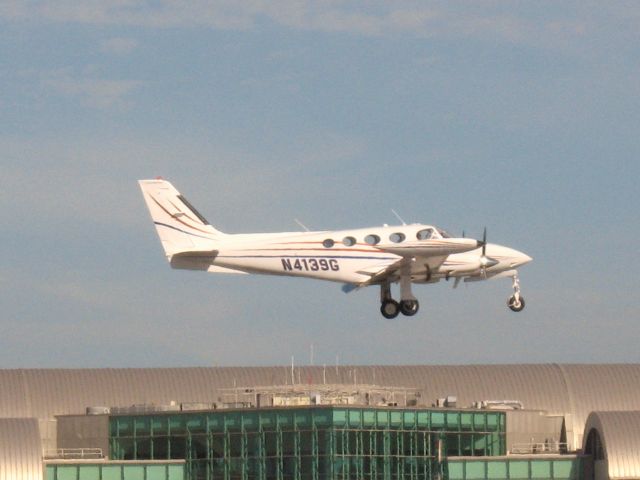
(398, 216)
(301, 224)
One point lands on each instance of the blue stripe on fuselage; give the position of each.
(343, 257)
(182, 231)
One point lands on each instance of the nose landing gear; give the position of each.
(516, 301)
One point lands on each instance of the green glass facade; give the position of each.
(115, 471)
(516, 468)
(314, 443)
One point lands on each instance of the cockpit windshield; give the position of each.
(425, 234)
(444, 233)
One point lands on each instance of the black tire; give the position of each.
(409, 307)
(516, 307)
(390, 309)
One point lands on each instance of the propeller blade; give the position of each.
(485, 262)
(484, 242)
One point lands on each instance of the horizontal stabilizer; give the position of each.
(209, 254)
(349, 287)
(217, 269)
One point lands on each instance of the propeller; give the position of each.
(485, 262)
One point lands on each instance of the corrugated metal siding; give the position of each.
(45, 393)
(601, 388)
(13, 395)
(20, 449)
(620, 435)
(558, 389)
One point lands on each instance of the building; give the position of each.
(553, 421)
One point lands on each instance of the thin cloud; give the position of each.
(93, 92)
(119, 46)
(374, 19)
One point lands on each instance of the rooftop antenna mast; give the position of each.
(301, 224)
(398, 216)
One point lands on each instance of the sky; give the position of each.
(521, 117)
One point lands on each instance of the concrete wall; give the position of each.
(84, 431)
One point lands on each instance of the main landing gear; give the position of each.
(390, 308)
(408, 304)
(516, 301)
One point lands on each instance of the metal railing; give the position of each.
(541, 447)
(73, 453)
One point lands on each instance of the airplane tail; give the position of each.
(183, 231)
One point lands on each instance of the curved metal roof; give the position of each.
(560, 389)
(44, 393)
(20, 449)
(620, 437)
(600, 388)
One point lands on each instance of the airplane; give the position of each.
(382, 256)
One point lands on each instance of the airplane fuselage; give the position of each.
(403, 254)
(345, 256)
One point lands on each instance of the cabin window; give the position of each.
(397, 237)
(328, 243)
(425, 234)
(372, 239)
(349, 241)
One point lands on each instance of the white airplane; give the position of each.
(357, 258)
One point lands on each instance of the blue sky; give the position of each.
(523, 117)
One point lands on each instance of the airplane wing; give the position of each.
(491, 276)
(379, 273)
(420, 267)
(425, 257)
(376, 273)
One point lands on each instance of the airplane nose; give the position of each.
(520, 259)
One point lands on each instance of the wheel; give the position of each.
(390, 309)
(409, 307)
(516, 305)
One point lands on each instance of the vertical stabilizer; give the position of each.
(180, 226)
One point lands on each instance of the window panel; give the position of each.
(475, 470)
(540, 469)
(519, 469)
(134, 472)
(496, 470)
(67, 472)
(563, 469)
(112, 472)
(437, 419)
(456, 470)
(89, 472)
